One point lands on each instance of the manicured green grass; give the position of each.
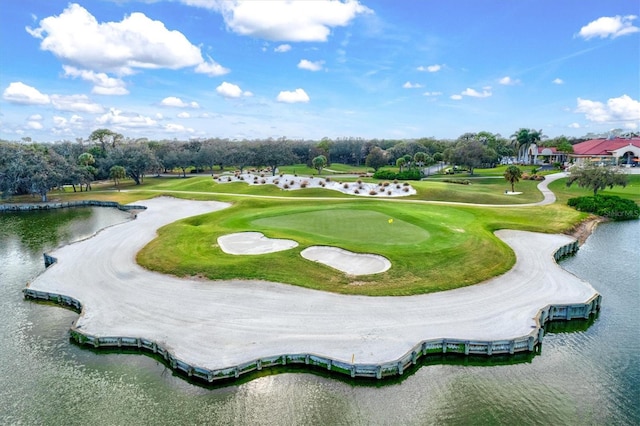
(631, 191)
(333, 169)
(497, 171)
(479, 191)
(432, 248)
(346, 224)
(346, 168)
(301, 169)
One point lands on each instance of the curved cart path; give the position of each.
(217, 324)
(548, 196)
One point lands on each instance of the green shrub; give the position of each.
(458, 181)
(610, 206)
(412, 174)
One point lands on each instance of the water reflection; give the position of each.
(577, 378)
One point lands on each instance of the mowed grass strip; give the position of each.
(631, 191)
(480, 191)
(432, 248)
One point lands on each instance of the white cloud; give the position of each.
(119, 119)
(296, 96)
(34, 125)
(35, 117)
(76, 37)
(62, 126)
(103, 84)
(621, 109)
(283, 20)
(456, 97)
(184, 115)
(435, 94)
(508, 81)
(177, 128)
(609, 26)
(76, 103)
(229, 90)
(574, 126)
(311, 66)
(212, 69)
(410, 85)
(430, 68)
(282, 48)
(475, 94)
(558, 81)
(59, 121)
(20, 93)
(172, 101)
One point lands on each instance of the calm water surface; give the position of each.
(586, 374)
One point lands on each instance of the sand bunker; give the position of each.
(253, 243)
(347, 261)
(222, 324)
(293, 182)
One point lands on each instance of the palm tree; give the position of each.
(319, 163)
(523, 139)
(513, 174)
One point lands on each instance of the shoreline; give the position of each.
(216, 325)
(583, 230)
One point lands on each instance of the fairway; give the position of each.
(346, 225)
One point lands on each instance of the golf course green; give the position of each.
(431, 247)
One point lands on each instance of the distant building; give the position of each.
(609, 152)
(534, 154)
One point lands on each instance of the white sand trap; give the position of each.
(224, 323)
(253, 243)
(512, 193)
(295, 182)
(347, 261)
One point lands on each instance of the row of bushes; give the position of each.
(527, 176)
(458, 181)
(609, 206)
(411, 174)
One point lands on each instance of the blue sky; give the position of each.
(317, 68)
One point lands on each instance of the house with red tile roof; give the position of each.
(612, 152)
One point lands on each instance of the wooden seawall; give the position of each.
(82, 203)
(392, 368)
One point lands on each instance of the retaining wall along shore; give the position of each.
(527, 343)
(81, 203)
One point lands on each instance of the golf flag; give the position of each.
(390, 220)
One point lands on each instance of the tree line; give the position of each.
(36, 168)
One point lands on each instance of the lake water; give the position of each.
(587, 372)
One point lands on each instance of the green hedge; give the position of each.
(610, 206)
(411, 174)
